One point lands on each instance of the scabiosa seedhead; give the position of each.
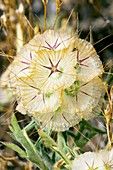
(56, 79)
(102, 160)
(50, 40)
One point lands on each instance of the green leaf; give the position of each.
(15, 148)
(30, 125)
(60, 140)
(22, 137)
(49, 142)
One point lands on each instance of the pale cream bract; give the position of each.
(56, 79)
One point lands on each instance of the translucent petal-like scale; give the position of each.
(58, 120)
(82, 97)
(51, 40)
(87, 63)
(35, 101)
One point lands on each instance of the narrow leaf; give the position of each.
(15, 148)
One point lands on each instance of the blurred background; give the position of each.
(19, 21)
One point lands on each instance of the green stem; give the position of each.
(67, 161)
